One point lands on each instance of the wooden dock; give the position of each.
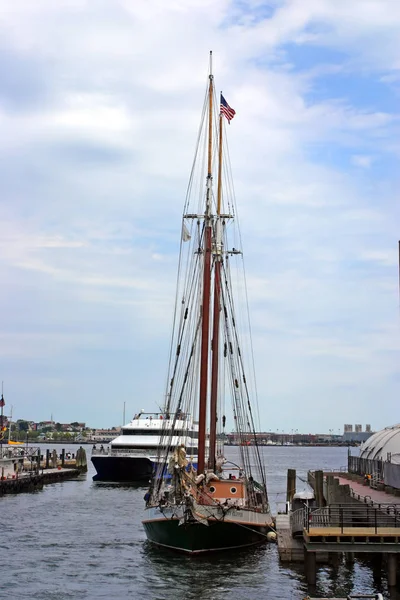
(22, 469)
(351, 597)
(346, 531)
(290, 549)
(358, 524)
(31, 482)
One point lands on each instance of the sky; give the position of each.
(100, 104)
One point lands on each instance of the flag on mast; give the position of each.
(226, 110)
(2, 401)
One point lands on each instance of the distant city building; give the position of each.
(44, 425)
(358, 435)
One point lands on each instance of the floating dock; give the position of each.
(31, 482)
(24, 469)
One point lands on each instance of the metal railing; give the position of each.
(123, 452)
(344, 516)
(361, 466)
(298, 521)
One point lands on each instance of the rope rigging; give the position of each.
(183, 375)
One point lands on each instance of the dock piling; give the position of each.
(291, 485)
(391, 568)
(310, 559)
(319, 488)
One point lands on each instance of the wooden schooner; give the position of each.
(203, 503)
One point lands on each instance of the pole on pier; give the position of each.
(47, 458)
(319, 488)
(392, 568)
(63, 457)
(310, 560)
(291, 485)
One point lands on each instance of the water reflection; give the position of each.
(110, 485)
(210, 576)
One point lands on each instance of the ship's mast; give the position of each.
(207, 251)
(216, 310)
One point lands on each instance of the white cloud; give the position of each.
(363, 161)
(95, 161)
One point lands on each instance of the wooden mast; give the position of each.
(205, 313)
(216, 312)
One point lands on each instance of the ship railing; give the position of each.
(123, 451)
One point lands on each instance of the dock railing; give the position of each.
(381, 471)
(298, 521)
(345, 516)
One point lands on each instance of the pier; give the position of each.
(25, 469)
(345, 518)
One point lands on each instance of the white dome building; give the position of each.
(383, 445)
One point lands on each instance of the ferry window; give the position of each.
(154, 431)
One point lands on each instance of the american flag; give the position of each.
(2, 402)
(226, 109)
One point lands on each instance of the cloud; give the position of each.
(363, 161)
(99, 111)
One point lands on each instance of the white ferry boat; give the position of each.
(132, 455)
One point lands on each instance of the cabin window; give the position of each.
(233, 490)
(212, 489)
(154, 449)
(161, 432)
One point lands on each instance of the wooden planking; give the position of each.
(352, 531)
(289, 548)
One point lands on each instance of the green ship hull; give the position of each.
(197, 538)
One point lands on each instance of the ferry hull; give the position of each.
(122, 469)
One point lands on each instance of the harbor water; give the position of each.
(80, 540)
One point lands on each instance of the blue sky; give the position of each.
(99, 110)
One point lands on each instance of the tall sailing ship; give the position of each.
(213, 505)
